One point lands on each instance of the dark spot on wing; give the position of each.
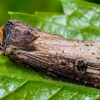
(86, 44)
(63, 63)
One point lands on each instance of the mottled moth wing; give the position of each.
(49, 64)
(64, 58)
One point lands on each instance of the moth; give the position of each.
(64, 58)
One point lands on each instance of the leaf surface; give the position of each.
(19, 82)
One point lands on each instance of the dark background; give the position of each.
(30, 6)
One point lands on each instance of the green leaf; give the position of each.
(19, 82)
(73, 26)
(83, 16)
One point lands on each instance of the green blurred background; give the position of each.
(30, 6)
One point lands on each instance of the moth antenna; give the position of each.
(1, 47)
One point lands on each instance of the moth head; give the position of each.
(17, 34)
(1, 35)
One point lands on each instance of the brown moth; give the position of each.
(65, 58)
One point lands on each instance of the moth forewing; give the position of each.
(66, 58)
